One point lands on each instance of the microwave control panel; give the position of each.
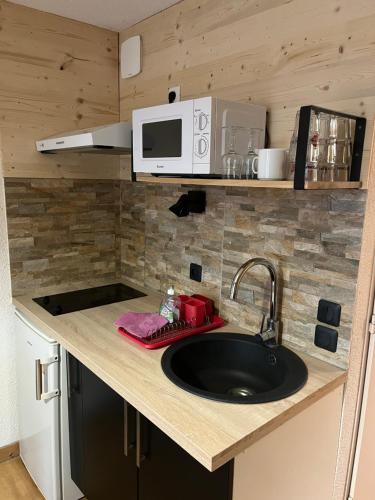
(202, 130)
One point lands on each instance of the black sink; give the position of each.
(234, 368)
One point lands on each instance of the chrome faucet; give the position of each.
(272, 331)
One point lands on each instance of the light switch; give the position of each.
(329, 312)
(326, 338)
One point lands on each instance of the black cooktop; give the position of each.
(78, 300)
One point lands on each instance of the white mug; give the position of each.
(269, 164)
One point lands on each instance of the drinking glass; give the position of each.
(311, 172)
(326, 173)
(253, 145)
(339, 128)
(232, 161)
(343, 160)
(338, 150)
(291, 158)
(324, 170)
(341, 173)
(317, 140)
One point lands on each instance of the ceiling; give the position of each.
(112, 14)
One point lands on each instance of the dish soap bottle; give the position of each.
(169, 306)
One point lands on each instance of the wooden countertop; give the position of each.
(212, 432)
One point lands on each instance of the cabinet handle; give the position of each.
(139, 457)
(67, 356)
(127, 444)
(38, 380)
(73, 375)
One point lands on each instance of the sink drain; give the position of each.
(242, 392)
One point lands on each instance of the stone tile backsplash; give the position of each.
(313, 237)
(68, 231)
(61, 231)
(157, 247)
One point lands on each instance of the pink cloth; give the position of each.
(141, 325)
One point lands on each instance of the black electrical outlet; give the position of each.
(326, 338)
(195, 272)
(171, 96)
(329, 312)
(194, 202)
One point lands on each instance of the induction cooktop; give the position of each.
(63, 303)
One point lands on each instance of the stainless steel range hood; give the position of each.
(106, 139)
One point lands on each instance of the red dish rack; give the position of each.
(172, 332)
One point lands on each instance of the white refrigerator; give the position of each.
(43, 411)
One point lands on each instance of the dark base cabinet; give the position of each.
(117, 453)
(97, 424)
(168, 472)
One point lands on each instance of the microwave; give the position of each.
(189, 138)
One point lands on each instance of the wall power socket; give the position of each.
(174, 94)
(195, 272)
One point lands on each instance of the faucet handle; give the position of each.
(262, 323)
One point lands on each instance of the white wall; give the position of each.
(8, 404)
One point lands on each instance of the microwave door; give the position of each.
(162, 139)
(164, 142)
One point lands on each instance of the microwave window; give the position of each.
(162, 139)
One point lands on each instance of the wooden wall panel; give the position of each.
(281, 53)
(56, 75)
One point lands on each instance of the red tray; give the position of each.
(162, 339)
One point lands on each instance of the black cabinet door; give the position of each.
(102, 437)
(167, 472)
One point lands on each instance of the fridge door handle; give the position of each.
(38, 380)
(41, 367)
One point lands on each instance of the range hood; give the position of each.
(106, 139)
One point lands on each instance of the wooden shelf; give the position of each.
(216, 182)
(182, 181)
(333, 185)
